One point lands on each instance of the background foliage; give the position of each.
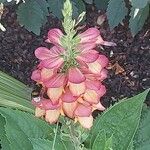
(33, 14)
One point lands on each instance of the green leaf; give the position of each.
(89, 1)
(142, 137)
(121, 121)
(21, 126)
(41, 144)
(131, 147)
(139, 3)
(138, 18)
(3, 139)
(56, 7)
(32, 15)
(116, 12)
(108, 144)
(14, 94)
(101, 4)
(101, 142)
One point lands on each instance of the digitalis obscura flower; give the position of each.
(71, 77)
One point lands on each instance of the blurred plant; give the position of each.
(17, 1)
(116, 11)
(1, 12)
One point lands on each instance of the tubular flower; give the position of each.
(71, 77)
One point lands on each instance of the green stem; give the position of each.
(74, 138)
(53, 146)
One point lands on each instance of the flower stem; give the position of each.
(53, 146)
(74, 138)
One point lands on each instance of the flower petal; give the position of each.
(69, 108)
(42, 53)
(56, 51)
(56, 81)
(93, 84)
(77, 89)
(102, 42)
(52, 116)
(45, 104)
(86, 122)
(46, 74)
(83, 102)
(98, 106)
(36, 75)
(102, 91)
(39, 112)
(54, 94)
(91, 96)
(89, 35)
(86, 46)
(103, 74)
(52, 63)
(75, 76)
(103, 60)
(95, 67)
(98, 65)
(83, 111)
(68, 97)
(54, 36)
(89, 56)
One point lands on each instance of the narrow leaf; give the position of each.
(3, 138)
(15, 94)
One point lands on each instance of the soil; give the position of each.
(129, 70)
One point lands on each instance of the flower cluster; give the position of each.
(71, 76)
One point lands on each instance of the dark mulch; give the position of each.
(17, 58)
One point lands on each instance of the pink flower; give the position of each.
(71, 78)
